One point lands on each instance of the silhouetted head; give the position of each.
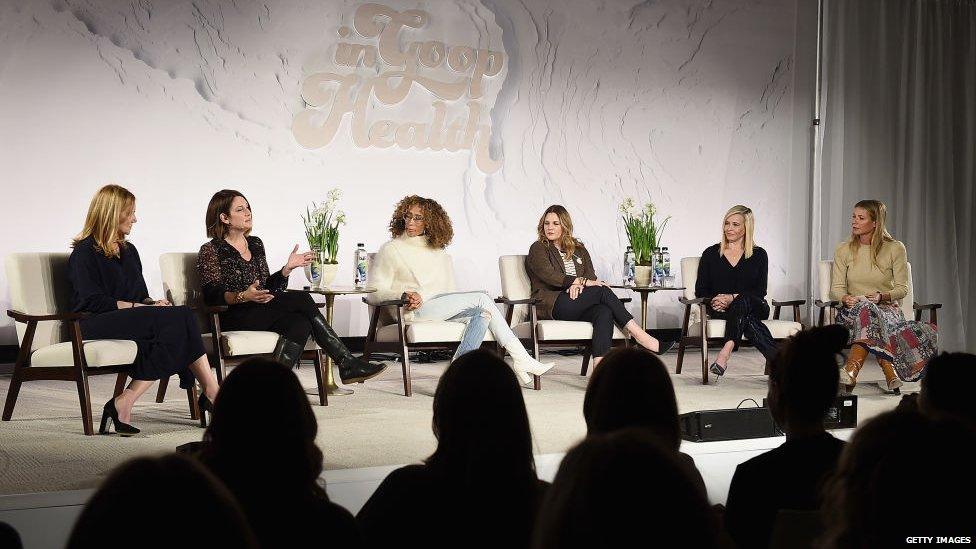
(263, 429)
(143, 497)
(803, 376)
(902, 474)
(946, 387)
(623, 489)
(480, 422)
(631, 388)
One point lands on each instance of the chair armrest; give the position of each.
(626, 299)
(388, 303)
(24, 317)
(696, 301)
(788, 303)
(211, 309)
(926, 306)
(823, 304)
(527, 301)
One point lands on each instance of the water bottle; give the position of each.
(665, 261)
(630, 262)
(656, 273)
(361, 265)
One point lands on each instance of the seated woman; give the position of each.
(284, 504)
(870, 278)
(234, 272)
(480, 484)
(414, 266)
(732, 276)
(105, 273)
(562, 277)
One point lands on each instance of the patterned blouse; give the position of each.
(222, 269)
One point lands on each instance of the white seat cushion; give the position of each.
(554, 330)
(427, 332)
(780, 329)
(101, 352)
(237, 343)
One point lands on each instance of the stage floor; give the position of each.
(43, 448)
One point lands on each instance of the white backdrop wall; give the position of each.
(688, 104)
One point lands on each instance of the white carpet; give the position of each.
(43, 447)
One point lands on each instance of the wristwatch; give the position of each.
(240, 297)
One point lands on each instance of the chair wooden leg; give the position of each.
(407, 385)
(15, 382)
(120, 384)
(321, 377)
(191, 396)
(84, 399)
(681, 355)
(161, 391)
(587, 353)
(704, 357)
(536, 382)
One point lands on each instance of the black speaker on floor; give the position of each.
(734, 424)
(740, 423)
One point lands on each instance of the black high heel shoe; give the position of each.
(206, 407)
(663, 347)
(110, 412)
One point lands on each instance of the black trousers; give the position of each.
(744, 317)
(167, 338)
(289, 314)
(599, 306)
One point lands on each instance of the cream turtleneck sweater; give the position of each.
(409, 263)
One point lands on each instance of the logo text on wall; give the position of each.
(330, 95)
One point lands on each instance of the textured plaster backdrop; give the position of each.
(687, 103)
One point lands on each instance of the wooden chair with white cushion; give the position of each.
(181, 284)
(49, 335)
(871, 372)
(522, 317)
(390, 333)
(695, 310)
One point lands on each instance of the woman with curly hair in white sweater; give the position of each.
(414, 266)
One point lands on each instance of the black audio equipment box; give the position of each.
(741, 423)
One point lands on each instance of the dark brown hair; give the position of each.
(437, 223)
(220, 204)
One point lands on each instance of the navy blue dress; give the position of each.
(168, 338)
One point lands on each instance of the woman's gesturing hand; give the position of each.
(252, 293)
(296, 260)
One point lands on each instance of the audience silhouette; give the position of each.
(903, 475)
(261, 443)
(479, 488)
(803, 378)
(624, 489)
(632, 388)
(945, 387)
(187, 505)
(9, 538)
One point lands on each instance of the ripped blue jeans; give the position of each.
(479, 312)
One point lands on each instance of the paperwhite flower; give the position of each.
(335, 194)
(627, 207)
(650, 209)
(341, 217)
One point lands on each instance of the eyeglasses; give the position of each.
(417, 218)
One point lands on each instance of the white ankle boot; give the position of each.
(526, 366)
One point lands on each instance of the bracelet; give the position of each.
(240, 297)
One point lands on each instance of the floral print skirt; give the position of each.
(882, 328)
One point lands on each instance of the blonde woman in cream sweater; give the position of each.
(415, 266)
(870, 278)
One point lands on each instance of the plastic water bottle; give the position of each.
(657, 268)
(665, 261)
(361, 265)
(630, 261)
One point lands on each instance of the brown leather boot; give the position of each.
(855, 361)
(891, 378)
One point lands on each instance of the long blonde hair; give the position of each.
(879, 213)
(748, 240)
(104, 214)
(566, 241)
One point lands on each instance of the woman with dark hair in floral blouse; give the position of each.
(234, 271)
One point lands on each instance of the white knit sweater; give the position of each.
(408, 263)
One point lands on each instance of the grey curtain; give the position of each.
(899, 125)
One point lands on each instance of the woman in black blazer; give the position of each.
(732, 276)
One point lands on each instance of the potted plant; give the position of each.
(322, 231)
(644, 235)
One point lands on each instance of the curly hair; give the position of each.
(438, 227)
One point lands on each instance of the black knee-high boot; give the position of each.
(288, 352)
(351, 369)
